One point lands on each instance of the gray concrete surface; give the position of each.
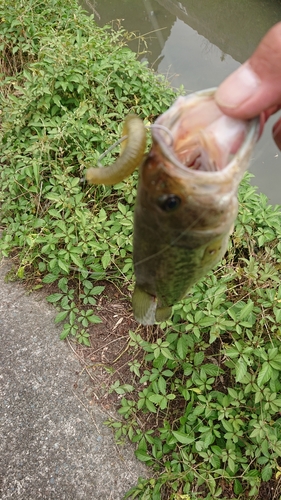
(53, 442)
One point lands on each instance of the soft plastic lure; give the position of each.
(132, 152)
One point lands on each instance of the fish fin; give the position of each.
(214, 251)
(144, 306)
(163, 313)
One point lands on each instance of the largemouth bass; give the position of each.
(187, 199)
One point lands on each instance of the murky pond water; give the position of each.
(197, 43)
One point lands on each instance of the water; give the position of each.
(197, 43)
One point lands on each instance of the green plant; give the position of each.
(213, 380)
(65, 94)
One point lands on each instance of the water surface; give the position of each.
(197, 43)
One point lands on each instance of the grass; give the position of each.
(202, 397)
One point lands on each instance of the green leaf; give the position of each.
(161, 382)
(166, 353)
(150, 406)
(63, 265)
(56, 99)
(171, 396)
(35, 167)
(54, 213)
(61, 316)
(77, 260)
(64, 333)
(182, 437)
(241, 369)
(276, 365)
(217, 450)
(50, 278)
(85, 341)
(118, 92)
(106, 259)
(227, 425)
(272, 353)
(212, 369)
(277, 402)
(247, 309)
(62, 284)
(207, 321)
(231, 464)
(182, 346)
(156, 398)
(238, 488)
(55, 297)
(53, 197)
(277, 312)
(232, 314)
(256, 432)
(96, 290)
(266, 473)
(199, 358)
(143, 456)
(265, 374)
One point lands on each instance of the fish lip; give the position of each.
(232, 169)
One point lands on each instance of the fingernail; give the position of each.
(238, 87)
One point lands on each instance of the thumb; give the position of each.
(255, 86)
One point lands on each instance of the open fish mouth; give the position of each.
(199, 136)
(187, 200)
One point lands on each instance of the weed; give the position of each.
(64, 100)
(213, 380)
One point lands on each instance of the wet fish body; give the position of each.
(187, 200)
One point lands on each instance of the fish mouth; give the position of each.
(198, 140)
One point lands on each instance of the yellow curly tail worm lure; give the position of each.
(131, 155)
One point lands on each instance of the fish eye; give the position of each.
(169, 202)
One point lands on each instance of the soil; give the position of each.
(107, 359)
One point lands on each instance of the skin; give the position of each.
(130, 158)
(255, 89)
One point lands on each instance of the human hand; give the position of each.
(255, 88)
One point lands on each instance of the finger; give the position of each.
(276, 132)
(255, 86)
